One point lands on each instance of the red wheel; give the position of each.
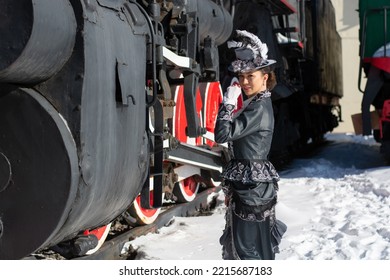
(141, 215)
(101, 234)
(186, 190)
(213, 97)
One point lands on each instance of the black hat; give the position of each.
(251, 53)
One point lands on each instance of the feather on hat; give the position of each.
(251, 53)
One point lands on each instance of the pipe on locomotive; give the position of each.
(38, 46)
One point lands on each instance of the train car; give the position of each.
(374, 37)
(107, 107)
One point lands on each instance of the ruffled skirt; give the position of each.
(252, 231)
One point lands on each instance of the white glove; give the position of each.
(231, 95)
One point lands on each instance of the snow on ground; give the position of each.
(335, 204)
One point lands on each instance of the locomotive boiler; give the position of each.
(107, 107)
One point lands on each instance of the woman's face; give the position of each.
(253, 82)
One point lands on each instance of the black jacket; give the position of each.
(250, 131)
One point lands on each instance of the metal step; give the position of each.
(183, 153)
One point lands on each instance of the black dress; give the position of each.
(250, 181)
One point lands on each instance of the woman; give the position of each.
(250, 180)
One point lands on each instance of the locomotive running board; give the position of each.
(193, 155)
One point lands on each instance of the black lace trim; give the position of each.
(248, 171)
(225, 112)
(277, 228)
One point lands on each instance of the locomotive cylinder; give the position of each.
(214, 21)
(38, 37)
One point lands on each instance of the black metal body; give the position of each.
(76, 142)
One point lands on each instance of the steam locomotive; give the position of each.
(374, 34)
(107, 107)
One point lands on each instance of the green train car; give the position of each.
(374, 36)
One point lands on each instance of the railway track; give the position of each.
(114, 248)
